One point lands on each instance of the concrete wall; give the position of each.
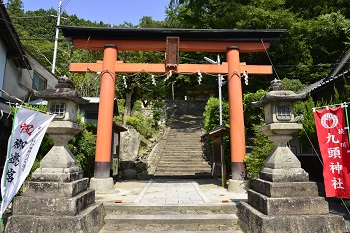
(43, 72)
(13, 76)
(18, 82)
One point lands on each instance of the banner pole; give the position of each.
(347, 119)
(6, 164)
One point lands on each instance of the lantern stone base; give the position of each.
(288, 206)
(56, 206)
(102, 185)
(253, 221)
(89, 220)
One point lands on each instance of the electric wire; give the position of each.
(64, 4)
(273, 67)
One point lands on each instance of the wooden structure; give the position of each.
(217, 136)
(170, 41)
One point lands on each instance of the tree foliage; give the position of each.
(317, 33)
(211, 114)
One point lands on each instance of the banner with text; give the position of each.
(28, 130)
(334, 146)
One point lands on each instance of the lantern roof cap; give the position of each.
(277, 93)
(64, 90)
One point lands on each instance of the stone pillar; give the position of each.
(102, 180)
(237, 137)
(283, 199)
(57, 199)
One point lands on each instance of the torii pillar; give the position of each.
(233, 42)
(102, 180)
(237, 137)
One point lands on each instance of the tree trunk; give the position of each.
(127, 109)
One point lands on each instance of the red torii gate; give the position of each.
(171, 41)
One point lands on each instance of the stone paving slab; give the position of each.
(170, 191)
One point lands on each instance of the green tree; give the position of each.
(212, 114)
(15, 8)
(253, 116)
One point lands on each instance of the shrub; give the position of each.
(83, 146)
(261, 150)
(156, 117)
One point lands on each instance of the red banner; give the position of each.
(334, 145)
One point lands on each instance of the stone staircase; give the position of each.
(182, 155)
(171, 218)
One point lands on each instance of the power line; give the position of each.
(30, 17)
(64, 4)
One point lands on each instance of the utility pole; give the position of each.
(56, 37)
(220, 83)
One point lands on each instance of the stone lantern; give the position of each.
(62, 101)
(57, 199)
(280, 128)
(283, 199)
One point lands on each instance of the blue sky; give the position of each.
(108, 11)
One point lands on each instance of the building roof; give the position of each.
(72, 32)
(337, 72)
(10, 37)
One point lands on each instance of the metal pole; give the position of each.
(220, 95)
(172, 89)
(56, 37)
(220, 98)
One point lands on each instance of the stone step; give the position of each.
(182, 160)
(218, 208)
(226, 219)
(168, 154)
(181, 136)
(179, 149)
(185, 140)
(182, 174)
(179, 154)
(213, 217)
(182, 170)
(179, 227)
(180, 163)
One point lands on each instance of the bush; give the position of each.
(212, 114)
(156, 117)
(140, 126)
(137, 106)
(255, 160)
(83, 146)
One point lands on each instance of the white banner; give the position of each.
(28, 130)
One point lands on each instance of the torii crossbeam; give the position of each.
(171, 41)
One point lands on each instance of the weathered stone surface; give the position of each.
(129, 174)
(285, 189)
(284, 175)
(287, 205)
(253, 221)
(140, 166)
(143, 176)
(282, 158)
(130, 144)
(101, 185)
(57, 174)
(46, 206)
(55, 189)
(91, 220)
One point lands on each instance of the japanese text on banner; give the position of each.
(334, 146)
